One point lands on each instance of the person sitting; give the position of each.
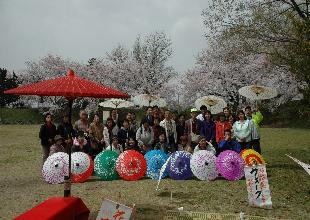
(203, 144)
(145, 136)
(58, 146)
(163, 145)
(115, 146)
(184, 145)
(228, 143)
(221, 126)
(132, 144)
(80, 143)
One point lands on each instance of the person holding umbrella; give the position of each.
(254, 119)
(47, 134)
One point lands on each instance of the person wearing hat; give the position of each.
(192, 128)
(203, 110)
(203, 144)
(58, 145)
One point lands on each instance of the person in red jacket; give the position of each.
(221, 126)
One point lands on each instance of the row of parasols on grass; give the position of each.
(132, 165)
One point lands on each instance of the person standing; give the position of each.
(203, 110)
(254, 119)
(242, 130)
(208, 128)
(47, 134)
(226, 113)
(145, 136)
(96, 136)
(149, 116)
(180, 127)
(66, 131)
(125, 133)
(82, 124)
(192, 128)
(221, 126)
(170, 129)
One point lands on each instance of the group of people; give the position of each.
(159, 129)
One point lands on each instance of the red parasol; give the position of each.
(131, 165)
(71, 87)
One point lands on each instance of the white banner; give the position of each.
(111, 210)
(257, 186)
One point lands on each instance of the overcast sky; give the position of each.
(81, 29)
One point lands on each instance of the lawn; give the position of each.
(22, 187)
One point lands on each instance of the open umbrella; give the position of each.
(203, 165)
(149, 100)
(105, 165)
(255, 92)
(230, 165)
(214, 104)
(70, 87)
(116, 103)
(131, 165)
(82, 167)
(251, 157)
(55, 168)
(155, 159)
(179, 165)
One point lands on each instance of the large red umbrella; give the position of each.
(70, 87)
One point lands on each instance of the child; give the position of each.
(57, 146)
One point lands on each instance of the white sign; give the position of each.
(257, 186)
(111, 210)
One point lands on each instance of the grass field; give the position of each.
(22, 187)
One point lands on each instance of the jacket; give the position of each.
(255, 120)
(145, 137)
(220, 128)
(229, 145)
(208, 130)
(188, 131)
(242, 130)
(47, 133)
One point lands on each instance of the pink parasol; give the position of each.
(230, 165)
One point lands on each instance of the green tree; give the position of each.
(6, 83)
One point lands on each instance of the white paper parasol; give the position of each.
(149, 100)
(214, 104)
(255, 92)
(116, 103)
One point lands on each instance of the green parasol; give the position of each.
(105, 165)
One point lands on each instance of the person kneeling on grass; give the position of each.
(115, 146)
(58, 146)
(228, 143)
(204, 145)
(80, 144)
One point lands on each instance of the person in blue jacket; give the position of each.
(228, 143)
(208, 128)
